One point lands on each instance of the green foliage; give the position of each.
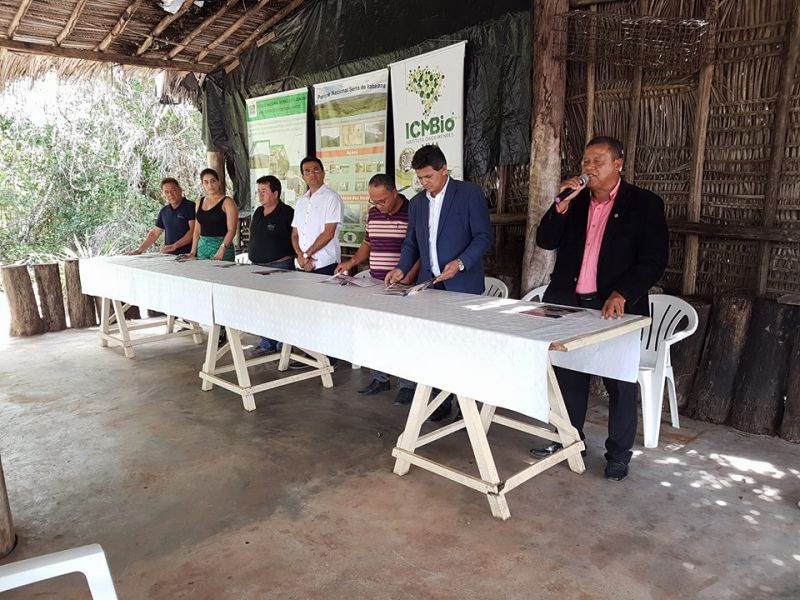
(85, 174)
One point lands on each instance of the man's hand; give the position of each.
(167, 249)
(134, 253)
(308, 265)
(393, 276)
(450, 270)
(343, 267)
(573, 183)
(614, 307)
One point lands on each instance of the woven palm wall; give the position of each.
(750, 43)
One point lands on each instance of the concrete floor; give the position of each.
(192, 497)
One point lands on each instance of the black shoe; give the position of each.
(551, 448)
(375, 387)
(298, 366)
(404, 396)
(222, 340)
(441, 413)
(616, 471)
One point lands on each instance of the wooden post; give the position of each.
(760, 385)
(778, 150)
(790, 425)
(6, 526)
(590, 81)
(79, 306)
(700, 133)
(686, 354)
(48, 282)
(713, 388)
(500, 235)
(549, 89)
(216, 160)
(633, 113)
(25, 319)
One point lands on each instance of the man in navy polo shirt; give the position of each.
(176, 218)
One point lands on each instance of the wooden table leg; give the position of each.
(240, 365)
(416, 417)
(119, 311)
(559, 417)
(210, 364)
(105, 321)
(483, 455)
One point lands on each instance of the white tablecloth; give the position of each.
(472, 345)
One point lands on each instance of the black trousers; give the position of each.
(622, 407)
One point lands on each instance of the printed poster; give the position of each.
(428, 108)
(350, 119)
(277, 141)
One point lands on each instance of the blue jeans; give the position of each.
(267, 343)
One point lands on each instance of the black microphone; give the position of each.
(584, 179)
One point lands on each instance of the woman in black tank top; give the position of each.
(216, 221)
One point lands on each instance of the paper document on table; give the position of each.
(400, 289)
(551, 312)
(345, 279)
(272, 272)
(184, 258)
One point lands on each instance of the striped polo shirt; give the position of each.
(385, 235)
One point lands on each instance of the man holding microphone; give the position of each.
(612, 244)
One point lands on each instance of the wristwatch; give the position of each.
(305, 254)
(461, 265)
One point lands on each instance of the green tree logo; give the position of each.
(427, 84)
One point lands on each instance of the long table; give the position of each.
(483, 350)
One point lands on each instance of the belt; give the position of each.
(587, 297)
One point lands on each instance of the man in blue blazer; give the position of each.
(449, 232)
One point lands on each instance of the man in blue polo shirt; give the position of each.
(176, 218)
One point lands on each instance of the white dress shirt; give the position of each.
(434, 211)
(311, 214)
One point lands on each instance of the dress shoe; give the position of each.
(298, 366)
(375, 387)
(551, 448)
(444, 410)
(222, 340)
(404, 396)
(259, 351)
(616, 470)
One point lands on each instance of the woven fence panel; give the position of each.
(784, 269)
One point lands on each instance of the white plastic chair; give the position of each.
(535, 295)
(243, 259)
(89, 560)
(655, 364)
(494, 288)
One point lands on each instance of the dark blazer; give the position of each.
(633, 253)
(464, 232)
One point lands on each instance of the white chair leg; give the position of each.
(89, 560)
(651, 410)
(673, 398)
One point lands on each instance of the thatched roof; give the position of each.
(76, 37)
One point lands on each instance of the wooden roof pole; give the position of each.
(73, 18)
(122, 59)
(200, 28)
(162, 25)
(633, 114)
(547, 118)
(691, 253)
(232, 29)
(120, 26)
(271, 22)
(779, 130)
(18, 16)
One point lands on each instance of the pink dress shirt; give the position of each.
(595, 228)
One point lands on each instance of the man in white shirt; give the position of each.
(317, 218)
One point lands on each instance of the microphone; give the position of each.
(584, 179)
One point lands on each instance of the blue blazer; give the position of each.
(464, 232)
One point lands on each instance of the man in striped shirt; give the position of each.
(387, 223)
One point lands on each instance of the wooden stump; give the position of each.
(761, 379)
(79, 305)
(686, 353)
(712, 391)
(25, 319)
(48, 282)
(6, 527)
(790, 427)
